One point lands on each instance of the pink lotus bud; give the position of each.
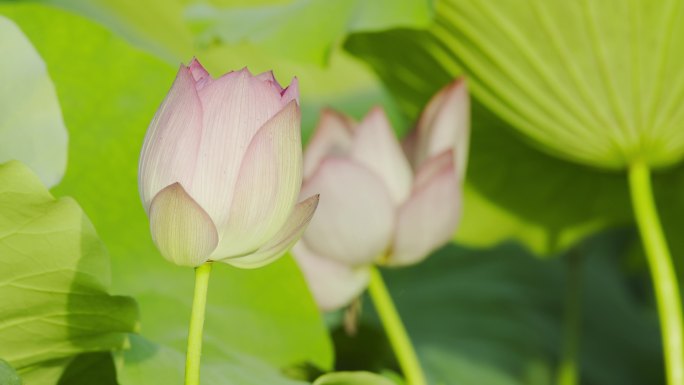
(381, 204)
(221, 169)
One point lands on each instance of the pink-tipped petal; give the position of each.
(267, 185)
(291, 92)
(376, 146)
(429, 218)
(354, 220)
(444, 124)
(170, 150)
(235, 107)
(281, 242)
(334, 285)
(199, 74)
(269, 78)
(333, 136)
(183, 232)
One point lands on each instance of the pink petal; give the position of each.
(201, 76)
(334, 285)
(170, 150)
(235, 106)
(333, 136)
(376, 147)
(267, 186)
(429, 218)
(354, 221)
(181, 229)
(287, 236)
(291, 92)
(269, 78)
(444, 124)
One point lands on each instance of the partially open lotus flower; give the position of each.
(383, 203)
(221, 169)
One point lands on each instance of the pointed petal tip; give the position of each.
(341, 229)
(291, 92)
(199, 74)
(376, 112)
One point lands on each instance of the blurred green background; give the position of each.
(547, 225)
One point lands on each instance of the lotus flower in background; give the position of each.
(221, 169)
(382, 202)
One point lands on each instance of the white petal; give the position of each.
(376, 146)
(354, 221)
(267, 186)
(288, 235)
(169, 153)
(333, 284)
(333, 136)
(235, 107)
(181, 229)
(444, 124)
(429, 218)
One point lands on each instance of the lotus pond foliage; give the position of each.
(341, 192)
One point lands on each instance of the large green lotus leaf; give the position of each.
(53, 281)
(165, 35)
(150, 363)
(286, 28)
(512, 189)
(146, 362)
(109, 92)
(494, 316)
(31, 125)
(596, 82)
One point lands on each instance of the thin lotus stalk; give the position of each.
(665, 283)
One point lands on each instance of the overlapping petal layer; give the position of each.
(283, 240)
(181, 229)
(354, 221)
(267, 185)
(170, 150)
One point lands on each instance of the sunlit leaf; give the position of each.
(54, 278)
(286, 28)
(31, 125)
(149, 363)
(596, 82)
(342, 82)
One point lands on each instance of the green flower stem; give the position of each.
(662, 271)
(396, 332)
(199, 304)
(568, 372)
